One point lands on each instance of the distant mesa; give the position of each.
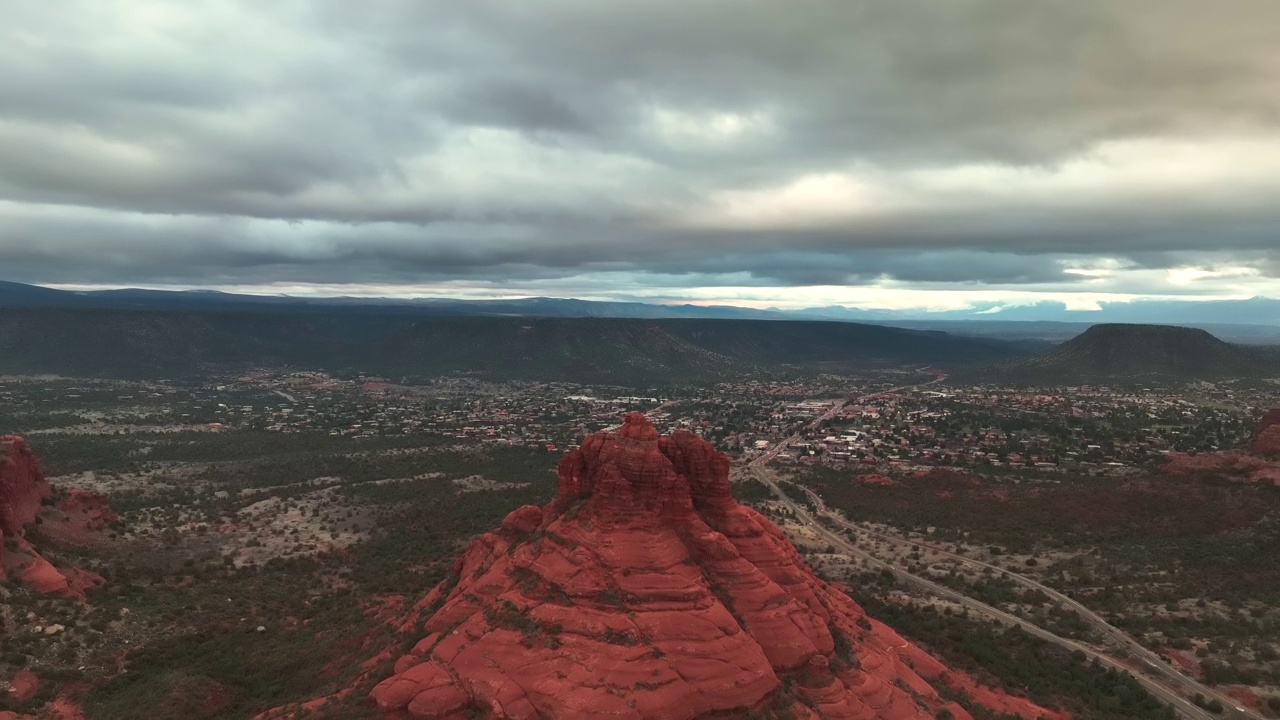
(25, 496)
(1139, 352)
(644, 590)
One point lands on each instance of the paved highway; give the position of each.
(1154, 662)
(1175, 696)
(1185, 707)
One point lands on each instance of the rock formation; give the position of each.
(23, 492)
(644, 590)
(1266, 439)
(22, 486)
(1256, 464)
(1110, 352)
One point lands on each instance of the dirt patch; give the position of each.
(195, 697)
(302, 525)
(478, 483)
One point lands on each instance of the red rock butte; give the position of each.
(644, 590)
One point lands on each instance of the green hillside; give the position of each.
(141, 344)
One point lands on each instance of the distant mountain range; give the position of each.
(1253, 321)
(130, 343)
(196, 334)
(20, 295)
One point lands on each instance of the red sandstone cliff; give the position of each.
(22, 485)
(23, 490)
(1266, 439)
(1256, 465)
(644, 590)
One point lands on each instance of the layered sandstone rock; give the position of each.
(22, 485)
(644, 590)
(23, 491)
(1256, 464)
(1266, 439)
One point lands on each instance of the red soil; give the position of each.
(64, 708)
(24, 686)
(1184, 661)
(1243, 695)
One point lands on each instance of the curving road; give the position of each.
(1153, 662)
(1174, 699)
(1174, 693)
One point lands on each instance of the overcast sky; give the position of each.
(911, 153)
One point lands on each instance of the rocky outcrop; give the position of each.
(22, 491)
(644, 590)
(22, 486)
(23, 495)
(1255, 464)
(1266, 439)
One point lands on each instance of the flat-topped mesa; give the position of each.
(645, 592)
(1266, 438)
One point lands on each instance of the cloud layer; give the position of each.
(489, 146)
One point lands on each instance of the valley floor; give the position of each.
(270, 524)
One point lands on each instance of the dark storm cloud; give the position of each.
(246, 251)
(507, 103)
(977, 141)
